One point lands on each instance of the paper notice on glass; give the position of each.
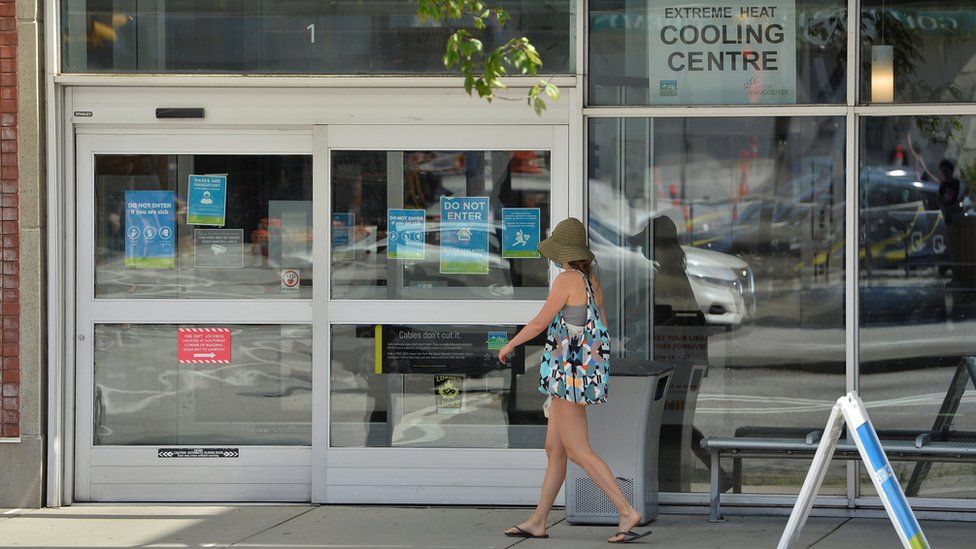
(218, 248)
(406, 234)
(343, 231)
(737, 52)
(291, 280)
(150, 229)
(449, 393)
(520, 232)
(464, 235)
(206, 200)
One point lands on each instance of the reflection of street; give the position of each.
(142, 396)
(793, 383)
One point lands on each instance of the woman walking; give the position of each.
(574, 373)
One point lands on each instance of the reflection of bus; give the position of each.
(904, 254)
(901, 223)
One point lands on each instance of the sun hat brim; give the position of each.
(563, 253)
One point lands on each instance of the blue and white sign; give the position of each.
(406, 233)
(150, 229)
(343, 225)
(464, 235)
(206, 200)
(520, 232)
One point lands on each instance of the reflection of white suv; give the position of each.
(723, 285)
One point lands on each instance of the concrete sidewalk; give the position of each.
(305, 526)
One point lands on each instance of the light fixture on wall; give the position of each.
(882, 74)
(882, 66)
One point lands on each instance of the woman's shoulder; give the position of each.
(569, 276)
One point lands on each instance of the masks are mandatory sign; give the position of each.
(206, 200)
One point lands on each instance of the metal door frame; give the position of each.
(136, 472)
(448, 475)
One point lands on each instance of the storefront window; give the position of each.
(203, 226)
(672, 52)
(153, 386)
(918, 289)
(439, 224)
(290, 36)
(745, 220)
(434, 386)
(917, 52)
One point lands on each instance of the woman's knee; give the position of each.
(555, 452)
(580, 456)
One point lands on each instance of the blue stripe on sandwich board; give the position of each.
(880, 466)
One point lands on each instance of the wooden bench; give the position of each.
(922, 449)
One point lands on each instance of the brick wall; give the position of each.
(9, 256)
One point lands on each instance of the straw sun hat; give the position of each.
(567, 242)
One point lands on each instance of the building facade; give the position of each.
(22, 435)
(281, 244)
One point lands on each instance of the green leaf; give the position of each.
(483, 71)
(552, 91)
(539, 106)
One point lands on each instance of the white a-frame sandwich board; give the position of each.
(850, 409)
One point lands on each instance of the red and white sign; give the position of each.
(203, 345)
(290, 280)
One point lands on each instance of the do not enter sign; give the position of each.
(204, 345)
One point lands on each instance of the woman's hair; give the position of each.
(583, 265)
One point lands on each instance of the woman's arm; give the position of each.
(558, 295)
(598, 297)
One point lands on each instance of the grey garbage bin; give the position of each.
(624, 431)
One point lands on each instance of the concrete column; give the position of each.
(23, 279)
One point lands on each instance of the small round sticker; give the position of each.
(290, 280)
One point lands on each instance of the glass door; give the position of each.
(194, 343)
(433, 234)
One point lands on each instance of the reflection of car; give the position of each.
(723, 285)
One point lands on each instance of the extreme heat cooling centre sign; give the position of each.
(724, 53)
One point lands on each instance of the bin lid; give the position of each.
(638, 367)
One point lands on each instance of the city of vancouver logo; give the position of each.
(668, 88)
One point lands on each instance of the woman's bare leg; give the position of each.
(574, 435)
(551, 483)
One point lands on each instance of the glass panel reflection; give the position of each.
(145, 396)
(745, 219)
(917, 52)
(374, 259)
(266, 228)
(434, 386)
(290, 36)
(918, 290)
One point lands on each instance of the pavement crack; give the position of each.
(273, 526)
(828, 534)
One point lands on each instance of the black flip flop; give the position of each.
(524, 534)
(630, 536)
